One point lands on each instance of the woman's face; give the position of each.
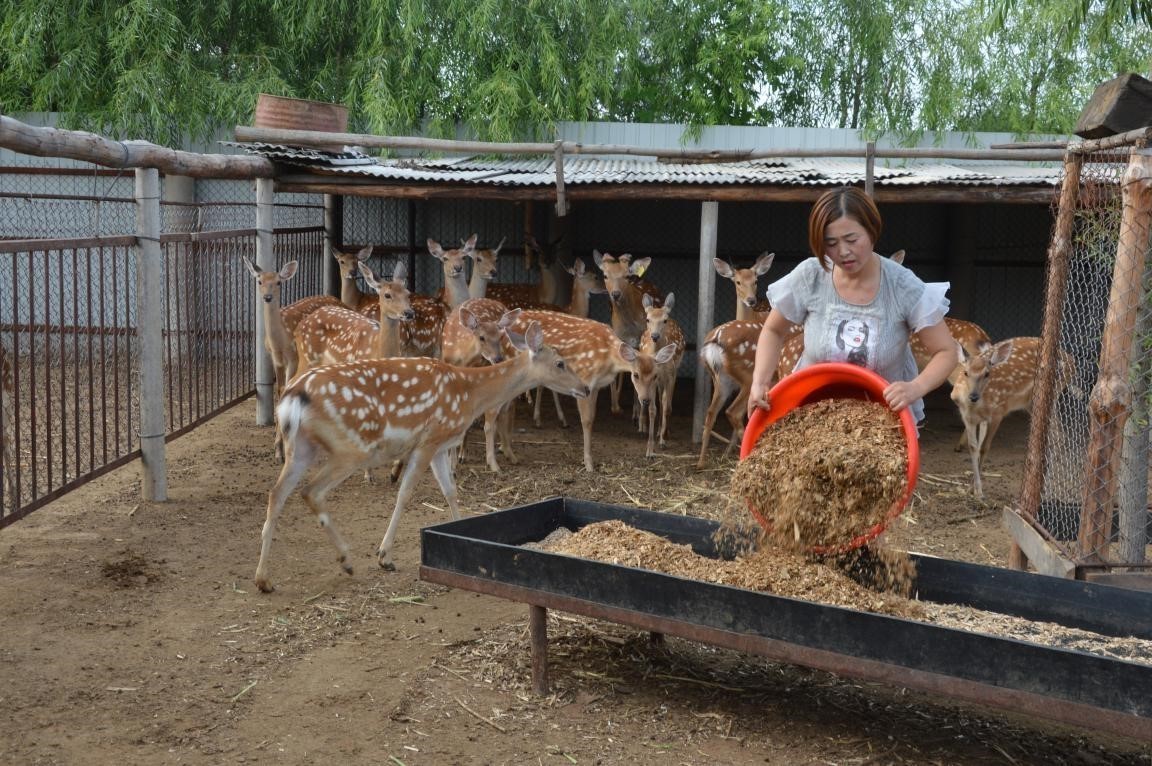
(853, 334)
(847, 244)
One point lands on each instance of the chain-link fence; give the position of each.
(68, 315)
(1089, 493)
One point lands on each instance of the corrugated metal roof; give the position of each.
(586, 170)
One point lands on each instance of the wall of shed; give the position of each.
(993, 254)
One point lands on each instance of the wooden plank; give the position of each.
(1121, 580)
(1043, 555)
(1117, 105)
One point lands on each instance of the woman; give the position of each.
(857, 307)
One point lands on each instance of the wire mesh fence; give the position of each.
(69, 326)
(1092, 485)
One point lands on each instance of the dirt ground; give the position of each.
(132, 632)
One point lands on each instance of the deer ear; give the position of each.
(435, 249)
(723, 268)
(471, 243)
(646, 301)
(665, 354)
(763, 263)
(639, 267)
(1001, 354)
(669, 301)
(598, 259)
(964, 355)
(365, 253)
(288, 270)
(898, 256)
(251, 266)
(369, 277)
(509, 318)
(496, 250)
(468, 319)
(400, 273)
(534, 337)
(627, 352)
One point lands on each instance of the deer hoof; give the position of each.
(265, 586)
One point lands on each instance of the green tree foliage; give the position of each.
(164, 70)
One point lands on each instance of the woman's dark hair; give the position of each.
(844, 202)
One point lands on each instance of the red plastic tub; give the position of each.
(834, 380)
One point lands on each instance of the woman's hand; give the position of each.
(758, 398)
(901, 394)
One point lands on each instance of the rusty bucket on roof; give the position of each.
(286, 113)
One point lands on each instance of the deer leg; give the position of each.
(418, 460)
(976, 434)
(614, 387)
(301, 456)
(720, 392)
(490, 428)
(993, 426)
(651, 415)
(736, 413)
(442, 470)
(666, 406)
(315, 495)
(559, 410)
(505, 421)
(587, 407)
(536, 407)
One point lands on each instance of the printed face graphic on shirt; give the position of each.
(852, 335)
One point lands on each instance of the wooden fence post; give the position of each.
(265, 261)
(150, 332)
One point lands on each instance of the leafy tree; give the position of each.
(510, 69)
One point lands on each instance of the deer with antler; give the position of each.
(377, 411)
(995, 382)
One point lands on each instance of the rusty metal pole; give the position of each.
(1111, 399)
(1059, 255)
(538, 635)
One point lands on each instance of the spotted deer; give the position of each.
(350, 293)
(748, 305)
(594, 352)
(550, 290)
(484, 262)
(422, 335)
(584, 283)
(996, 381)
(476, 332)
(626, 288)
(334, 334)
(280, 322)
(379, 411)
(655, 386)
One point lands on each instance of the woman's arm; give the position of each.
(775, 331)
(939, 342)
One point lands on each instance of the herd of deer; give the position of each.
(395, 378)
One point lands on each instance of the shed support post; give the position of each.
(705, 308)
(265, 261)
(150, 331)
(333, 238)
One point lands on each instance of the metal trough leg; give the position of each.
(538, 634)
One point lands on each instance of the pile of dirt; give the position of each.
(782, 572)
(825, 473)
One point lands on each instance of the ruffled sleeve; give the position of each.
(789, 294)
(931, 307)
